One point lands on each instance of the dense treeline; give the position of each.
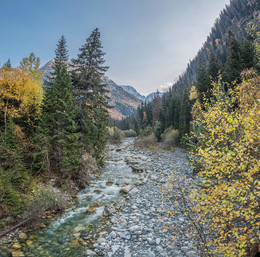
(50, 130)
(224, 52)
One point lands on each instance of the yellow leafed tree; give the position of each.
(19, 91)
(228, 149)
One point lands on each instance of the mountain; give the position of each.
(143, 98)
(124, 103)
(131, 90)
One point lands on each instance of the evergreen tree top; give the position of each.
(7, 64)
(61, 52)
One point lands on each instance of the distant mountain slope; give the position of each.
(143, 98)
(133, 91)
(124, 103)
(234, 17)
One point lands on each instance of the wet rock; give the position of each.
(124, 190)
(134, 191)
(150, 254)
(112, 235)
(17, 254)
(109, 210)
(109, 183)
(74, 244)
(16, 246)
(137, 169)
(22, 236)
(90, 253)
(77, 234)
(29, 242)
(91, 210)
(42, 225)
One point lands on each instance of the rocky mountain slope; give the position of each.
(143, 98)
(124, 99)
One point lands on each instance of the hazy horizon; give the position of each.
(147, 43)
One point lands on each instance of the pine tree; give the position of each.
(59, 118)
(7, 64)
(234, 61)
(247, 55)
(91, 94)
(203, 81)
(214, 66)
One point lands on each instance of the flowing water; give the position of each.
(72, 233)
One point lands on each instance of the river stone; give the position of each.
(150, 254)
(74, 244)
(17, 254)
(16, 246)
(109, 210)
(158, 241)
(31, 237)
(137, 169)
(124, 190)
(29, 242)
(134, 191)
(112, 235)
(191, 254)
(90, 253)
(22, 235)
(91, 210)
(42, 225)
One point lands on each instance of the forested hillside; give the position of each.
(230, 48)
(52, 133)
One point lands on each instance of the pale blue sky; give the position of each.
(148, 43)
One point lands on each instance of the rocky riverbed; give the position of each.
(121, 214)
(139, 228)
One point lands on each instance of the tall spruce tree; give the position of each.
(233, 65)
(203, 81)
(88, 70)
(59, 118)
(214, 67)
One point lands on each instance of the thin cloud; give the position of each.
(165, 87)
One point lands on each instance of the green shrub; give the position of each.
(129, 133)
(44, 197)
(158, 130)
(146, 142)
(147, 131)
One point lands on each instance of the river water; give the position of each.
(72, 233)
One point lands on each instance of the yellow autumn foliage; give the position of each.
(227, 203)
(18, 92)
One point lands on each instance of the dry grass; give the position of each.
(146, 142)
(116, 135)
(170, 139)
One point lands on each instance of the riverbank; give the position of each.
(119, 214)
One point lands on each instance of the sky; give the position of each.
(148, 43)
